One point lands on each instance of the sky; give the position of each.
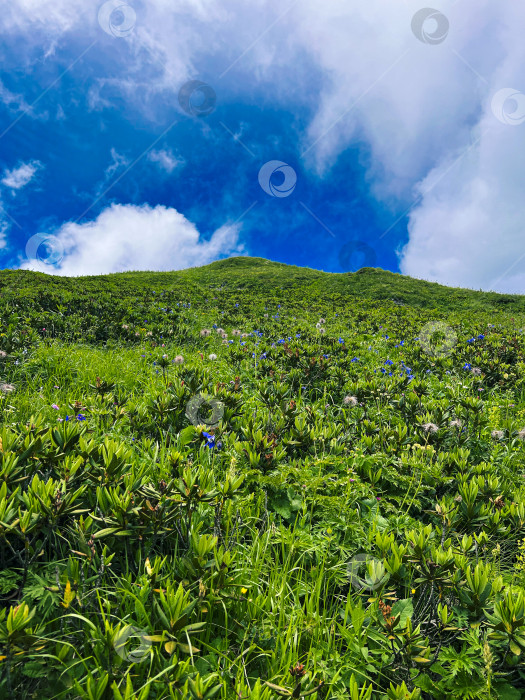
(167, 134)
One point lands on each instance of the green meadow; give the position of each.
(252, 481)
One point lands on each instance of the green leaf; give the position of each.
(404, 608)
(105, 531)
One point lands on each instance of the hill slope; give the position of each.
(259, 276)
(251, 480)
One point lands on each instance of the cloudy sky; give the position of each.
(165, 134)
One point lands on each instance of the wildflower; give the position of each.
(179, 360)
(350, 401)
(2, 354)
(7, 388)
(475, 371)
(205, 332)
(244, 591)
(413, 591)
(225, 341)
(219, 330)
(430, 428)
(125, 327)
(497, 434)
(467, 365)
(456, 423)
(212, 356)
(521, 433)
(322, 330)
(55, 406)
(236, 332)
(81, 417)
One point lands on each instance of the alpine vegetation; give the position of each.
(253, 481)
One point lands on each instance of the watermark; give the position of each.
(44, 248)
(356, 254)
(117, 18)
(289, 178)
(437, 339)
(430, 26)
(197, 99)
(508, 106)
(204, 410)
(366, 573)
(132, 644)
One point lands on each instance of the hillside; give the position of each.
(253, 480)
(259, 276)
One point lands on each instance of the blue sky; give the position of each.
(402, 130)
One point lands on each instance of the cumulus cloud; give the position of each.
(421, 112)
(19, 177)
(129, 237)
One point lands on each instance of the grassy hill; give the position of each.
(253, 480)
(259, 276)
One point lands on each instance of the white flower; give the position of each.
(212, 356)
(430, 428)
(205, 331)
(179, 360)
(350, 401)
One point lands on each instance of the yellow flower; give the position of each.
(329, 530)
(244, 591)
(413, 591)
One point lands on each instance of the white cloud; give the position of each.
(165, 159)
(21, 176)
(129, 237)
(4, 227)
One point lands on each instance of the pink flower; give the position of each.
(55, 406)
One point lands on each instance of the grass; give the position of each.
(352, 527)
